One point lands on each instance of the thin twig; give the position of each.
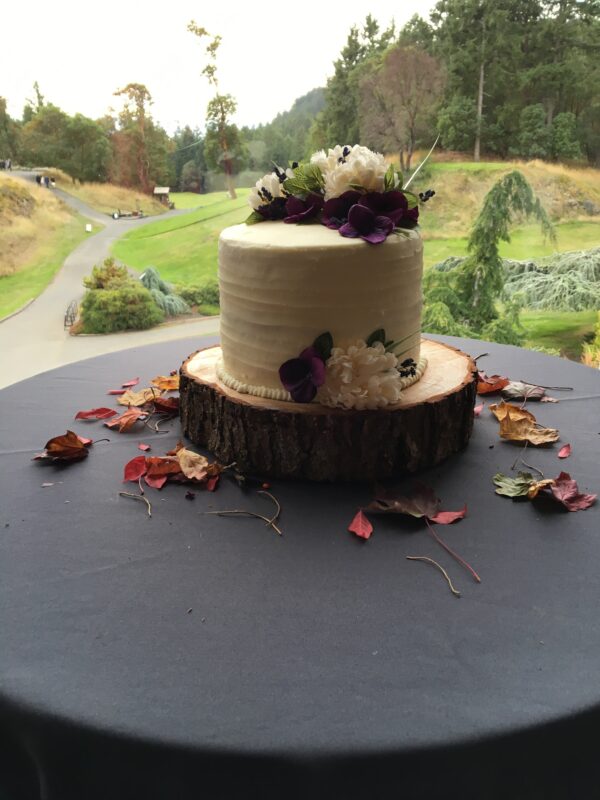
(519, 456)
(140, 485)
(530, 466)
(277, 505)
(558, 388)
(454, 555)
(480, 356)
(439, 566)
(100, 440)
(242, 512)
(138, 497)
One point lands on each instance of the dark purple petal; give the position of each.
(349, 231)
(375, 237)
(317, 369)
(384, 224)
(309, 353)
(294, 372)
(362, 219)
(390, 204)
(335, 211)
(273, 210)
(303, 393)
(300, 210)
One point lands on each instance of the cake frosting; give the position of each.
(283, 285)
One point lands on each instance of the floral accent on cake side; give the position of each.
(350, 189)
(364, 374)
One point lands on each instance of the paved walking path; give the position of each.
(34, 340)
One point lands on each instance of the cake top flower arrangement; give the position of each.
(349, 189)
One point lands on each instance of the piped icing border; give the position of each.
(281, 394)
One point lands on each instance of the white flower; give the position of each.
(344, 166)
(361, 377)
(265, 190)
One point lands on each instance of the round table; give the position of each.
(190, 655)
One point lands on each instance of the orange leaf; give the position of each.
(166, 383)
(490, 384)
(140, 398)
(127, 419)
(68, 447)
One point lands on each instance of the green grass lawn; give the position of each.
(29, 281)
(467, 166)
(561, 330)
(184, 249)
(187, 199)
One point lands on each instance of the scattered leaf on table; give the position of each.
(519, 425)
(96, 413)
(448, 517)
(421, 503)
(179, 446)
(490, 384)
(193, 465)
(156, 482)
(513, 487)
(565, 451)
(84, 440)
(167, 383)
(129, 384)
(361, 526)
(537, 486)
(212, 483)
(517, 390)
(138, 398)
(127, 419)
(478, 409)
(565, 490)
(68, 447)
(167, 405)
(135, 468)
(144, 447)
(116, 391)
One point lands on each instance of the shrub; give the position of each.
(207, 294)
(162, 293)
(130, 307)
(456, 124)
(534, 134)
(565, 144)
(108, 276)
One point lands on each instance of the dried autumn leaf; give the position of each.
(517, 390)
(127, 419)
(135, 468)
(523, 430)
(193, 465)
(96, 413)
(167, 405)
(513, 487)
(167, 383)
(503, 410)
(490, 384)
(156, 482)
(138, 398)
(212, 483)
(565, 451)
(478, 409)
(422, 503)
(361, 526)
(179, 446)
(565, 490)
(116, 391)
(448, 517)
(129, 384)
(537, 486)
(68, 447)
(158, 466)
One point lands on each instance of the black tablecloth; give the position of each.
(189, 656)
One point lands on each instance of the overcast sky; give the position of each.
(272, 52)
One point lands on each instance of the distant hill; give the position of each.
(285, 138)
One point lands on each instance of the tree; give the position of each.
(88, 148)
(534, 135)
(9, 133)
(565, 144)
(399, 100)
(456, 124)
(133, 122)
(220, 110)
(44, 138)
(188, 155)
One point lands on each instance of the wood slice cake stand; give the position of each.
(306, 440)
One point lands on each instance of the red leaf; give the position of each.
(565, 451)
(156, 482)
(144, 447)
(127, 419)
(361, 526)
(135, 468)
(490, 384)
(565, 490)
(129, 384)
(96, 413)
(421, 503)
(447, 517)
(478, 409)
(68, 447)
(166, 405)
(212, 483)
(116, 391)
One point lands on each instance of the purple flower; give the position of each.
(303, 375)
(298, 210)
(410, 218)
(335, 211)
(393, 205)
(273, 210)
(363, 223)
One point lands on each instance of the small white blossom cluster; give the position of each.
(344, 166)
(361, 377)
(265, 190)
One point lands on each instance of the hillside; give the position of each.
(37, 231)
(106, 197)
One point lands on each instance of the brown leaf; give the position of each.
(140, 398)
(519, 425)
(179, 446)
(193, 465)
(166, 383)
(68, 447)
(167, 405)
(503, 410)
(490, 384)
(127, 419)
(517, 390)
(536, 487)
(421, 503)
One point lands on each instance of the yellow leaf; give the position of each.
(193, 465)
(524, 430)
(537, 487)
(131, 398)
(167, 383)
(507, 410)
